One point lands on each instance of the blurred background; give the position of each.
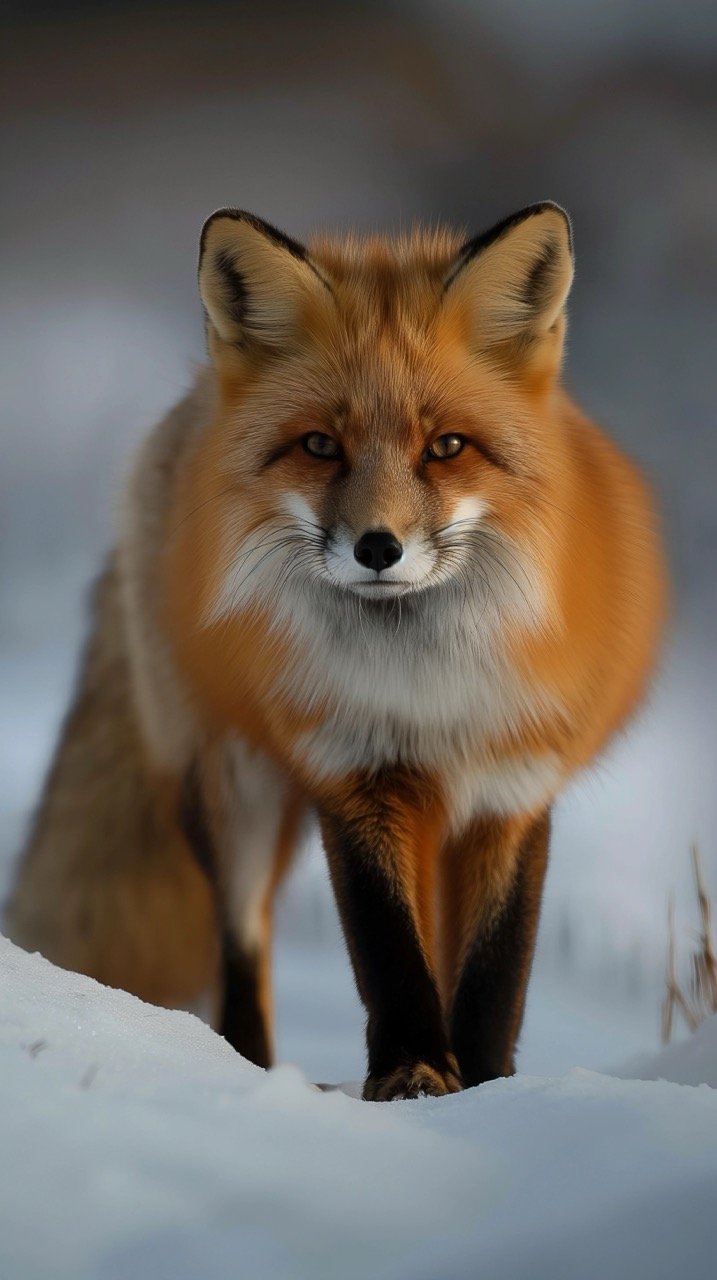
(125, 124)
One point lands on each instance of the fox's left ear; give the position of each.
(513, 282)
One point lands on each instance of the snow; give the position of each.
(135, 1142)
(693, 1061)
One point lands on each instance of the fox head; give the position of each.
(383, 426)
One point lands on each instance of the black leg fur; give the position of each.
(490, 998)
(408, 1050)
(243, 1020)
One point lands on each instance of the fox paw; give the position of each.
(418, 1080)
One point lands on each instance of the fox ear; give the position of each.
(254, 281)
(514, 281)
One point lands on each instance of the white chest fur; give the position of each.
(423, 680)
(426, 688)
(519, 784)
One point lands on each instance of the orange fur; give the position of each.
(438, 720)
(389, 366)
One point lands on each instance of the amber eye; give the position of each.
(321, 446)
(444, 447)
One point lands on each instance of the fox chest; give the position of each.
(437, 712)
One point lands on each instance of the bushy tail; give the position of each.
(107, 884)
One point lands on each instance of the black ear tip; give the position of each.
(266, 229)
(501, 229)
(236, 215)
(558, 208)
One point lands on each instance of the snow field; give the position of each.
(135, 1143)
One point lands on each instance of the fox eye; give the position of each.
(321, 446)
(444, 447)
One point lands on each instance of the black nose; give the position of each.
(378, 549)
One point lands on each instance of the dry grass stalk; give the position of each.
(702, 998)
(704, 961)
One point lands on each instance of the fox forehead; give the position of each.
(398, 277)
(389, 379)
(376, 385)
(382, 353)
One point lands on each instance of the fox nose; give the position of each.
(378, 549)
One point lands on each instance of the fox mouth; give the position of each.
(375, 589)
(380, 590)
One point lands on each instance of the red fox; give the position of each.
(377, 566)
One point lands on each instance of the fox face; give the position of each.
(382, 431)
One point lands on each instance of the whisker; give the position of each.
(362, 621)
(468, 554)
(500, 549)
(275, 539)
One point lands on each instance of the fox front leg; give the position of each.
(491, 894)
(241, 823)
(381, 860)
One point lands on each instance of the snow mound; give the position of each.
(134, 1142)
(693, 1061)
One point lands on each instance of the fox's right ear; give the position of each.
(254, 281)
